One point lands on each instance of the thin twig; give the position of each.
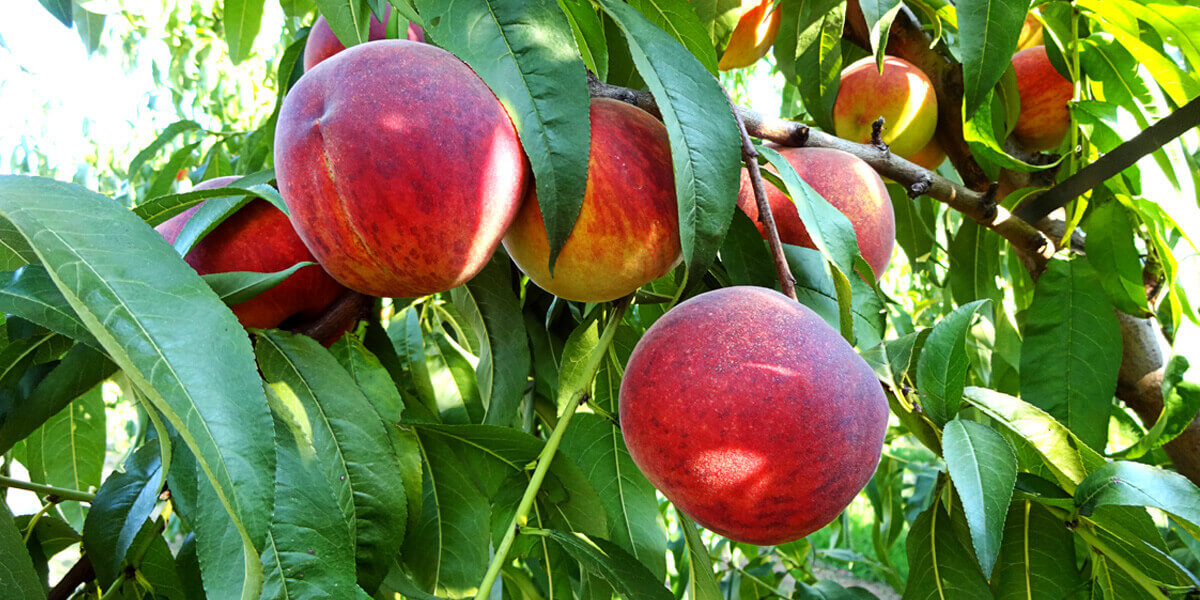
(57, 493)
(80, 573)
(787, 281)
(350, 307)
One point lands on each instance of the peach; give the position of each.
(1044, 93)
(752, 415)
(322, 43)
(627, 233)
(756, 29)
(902, 95)
(929, 157)
(259, 238)
(1031, 33)
(401, 169)
(849, 184)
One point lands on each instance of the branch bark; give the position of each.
(1034, 246)
(1122, 157)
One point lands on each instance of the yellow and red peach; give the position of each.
(259, 238)
(627, 233)
(1044, 93)
(756, 29)
(401, 169)
(845, 181)
(322, 43)
(902, 94)
(752, 415)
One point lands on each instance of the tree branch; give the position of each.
(1122, 157)
(787, 281)
(80, 573)
(1033, 245)
(57, 494)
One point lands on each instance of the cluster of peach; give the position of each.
(403, 174)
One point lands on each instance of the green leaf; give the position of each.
(81, 369)
(830, 229)
(524, 50)
(68, 450)
(985, 131)
(974, 263)
(819, 64)
(879, 15)
(351, 441)
(1037, 557)
(1071, 350)
(89, 26)
(164, 178)
(1129, 536)
(983, 467)
(701, 583)
(942, 366)
(18, 580)
(214, 212)
(168, 134)
(235, 287)
(120, 511)
(915, 222)
(745, 256)
(596, 445)
(31, 295)
(1124, 483)
(705, 141)
(447, 553)
(677, 18)
(454, 382)
(719, 18)
(376, 384)
(241, 22)
(494, 314)
(350, 20)
(59, 9)
(830, 590)
(816, 289)
(310, 546)
(589, 35)
(1111, 251)
(1069, 459)
(623, 572)
(117, 284)
(987, 37)
(404, 330)
(941, 565)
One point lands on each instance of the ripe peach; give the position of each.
(627, 233)
(259, 238)
(1044, 93)
(902, 95)
(322, 43)
(929, 157)
(401, 169)
(752, 415)
(753, 35)
(849, 184)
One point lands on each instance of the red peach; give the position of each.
(845, 181)
(322, 43)
(1044, 93)
(259, 238)
(401, 169)
(752, 415)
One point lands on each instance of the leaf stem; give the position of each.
(551, 448)
(48, 490)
